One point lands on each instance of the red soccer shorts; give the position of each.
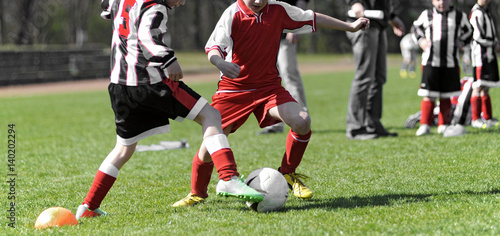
(236, 106)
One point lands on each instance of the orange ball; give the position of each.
(55, 216)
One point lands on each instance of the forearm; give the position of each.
(329, 22)
(486, 42)
(214, 57)
(228, 69)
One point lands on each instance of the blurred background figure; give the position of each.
(409, 51)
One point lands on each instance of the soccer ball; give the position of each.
(272, 184)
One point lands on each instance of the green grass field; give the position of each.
(390, 186)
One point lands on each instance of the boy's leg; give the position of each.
(104, 180)
(201, 173)
(475, 105)
(444, 111)
(486, 107)
(200, 176)
(298, 138)
(426, 108)
(215, 151)
(444, 116)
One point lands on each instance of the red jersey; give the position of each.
(252, 41)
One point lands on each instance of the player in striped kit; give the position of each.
(440, 32)
(484, 62)
(244, 47)
(145, 93)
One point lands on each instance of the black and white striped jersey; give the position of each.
(447, 32)
(484, 37)
(139, 55)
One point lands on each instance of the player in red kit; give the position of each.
(244, 47)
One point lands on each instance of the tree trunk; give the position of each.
(26, 11)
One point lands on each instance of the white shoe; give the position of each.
(454, 131)
(492, 123)
(83, 211)
(442, 128)
(423, 130)
(235, 187)
(479, 123)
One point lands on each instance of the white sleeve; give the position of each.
(419, 26)
(221, 36)
(298, 21)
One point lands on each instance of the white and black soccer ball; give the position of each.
(272, 184)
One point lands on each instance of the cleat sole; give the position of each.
(242, 197)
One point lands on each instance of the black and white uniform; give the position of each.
(142, 97)
(484, 59)
(440, 62)
(462, 112)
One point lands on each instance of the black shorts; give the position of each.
(144, 110)
(440, 82)
(486, 75)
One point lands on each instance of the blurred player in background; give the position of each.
(364, 109)
(485, 65)
(409, 51)
(441, 32)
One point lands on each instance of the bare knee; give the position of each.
(302, 123)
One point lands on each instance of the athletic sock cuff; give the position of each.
(301, 138)
(216, 142)
(109, 169)
(197, 160)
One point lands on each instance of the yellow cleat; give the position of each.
(190, 200)
(403, 74)
(298, 188)
(412, 74)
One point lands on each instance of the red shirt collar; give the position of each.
(248, 11)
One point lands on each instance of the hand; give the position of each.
(230, 70)
(397, 26)
(424, 44)
(358, 10)
(360, 24)
(174, 71)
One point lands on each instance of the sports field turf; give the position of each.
(391, 186)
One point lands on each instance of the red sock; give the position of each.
(444, 111)
(200, 176)
(100, 187)
(426, 107)
(224, 163)
(475, 105)
(296, 145)
(486, 107)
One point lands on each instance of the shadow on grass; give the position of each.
(381, 200)
(343, 131)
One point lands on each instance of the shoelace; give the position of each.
(242, 178)
(297, 177)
